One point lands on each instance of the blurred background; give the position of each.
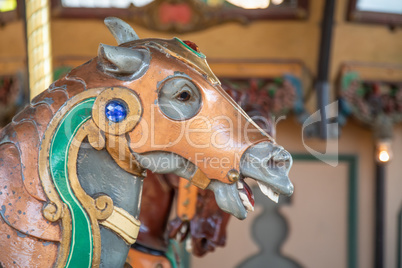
(327, 75)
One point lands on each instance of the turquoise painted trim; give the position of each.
(81, 247)
(176, 248)
(170, 253)
(353, 195)
(184, 254)
(199, 54)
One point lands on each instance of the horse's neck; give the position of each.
(99, 174)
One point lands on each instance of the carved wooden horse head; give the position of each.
(198, 217)
(181, 121)
(145, 104)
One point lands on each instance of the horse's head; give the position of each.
(207, 226)
(165, 103)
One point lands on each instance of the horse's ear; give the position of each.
(121, 31)
(123, 63)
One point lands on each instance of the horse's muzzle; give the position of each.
(269, 165)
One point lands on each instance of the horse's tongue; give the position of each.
(249, 193)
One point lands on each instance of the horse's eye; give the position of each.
(179, 98)
(184, 96)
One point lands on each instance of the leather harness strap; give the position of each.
(123, 224)
(186, 200)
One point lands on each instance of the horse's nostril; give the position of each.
(283, 155)
(271, 163)
(278, 163)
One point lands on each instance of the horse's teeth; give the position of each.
(244, 198)
(269, 192)
(246, 202)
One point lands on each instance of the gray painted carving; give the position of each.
(228, 199)
(123, 63)
(114, 250)
(164, 162)
(269, 165)
(121, 31)
(98, 174)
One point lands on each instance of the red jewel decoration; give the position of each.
(192, 45)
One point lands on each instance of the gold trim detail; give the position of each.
(123, 224)
(134, 112)
(116, 141)
(97, 209)
(100, 210)
(233, 175)
(200, 180)
(55, 209)
(118, 149)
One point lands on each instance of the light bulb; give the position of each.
(384, 156)
(384, 151)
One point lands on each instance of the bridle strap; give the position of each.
(186, 200)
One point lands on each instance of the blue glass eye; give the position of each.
(116, 111)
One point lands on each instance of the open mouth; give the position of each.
(246, 195)
(266, 190)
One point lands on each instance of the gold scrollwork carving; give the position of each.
(116, 142)
(100, 133)
(55, 209)
(52, 212)
(117, 147)
(104, 206)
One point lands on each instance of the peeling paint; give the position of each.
(46, 243)
(48, 100)
(21, 234)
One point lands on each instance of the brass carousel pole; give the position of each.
(38, 45)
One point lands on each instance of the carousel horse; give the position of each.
(72, 163)
(201, 221)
